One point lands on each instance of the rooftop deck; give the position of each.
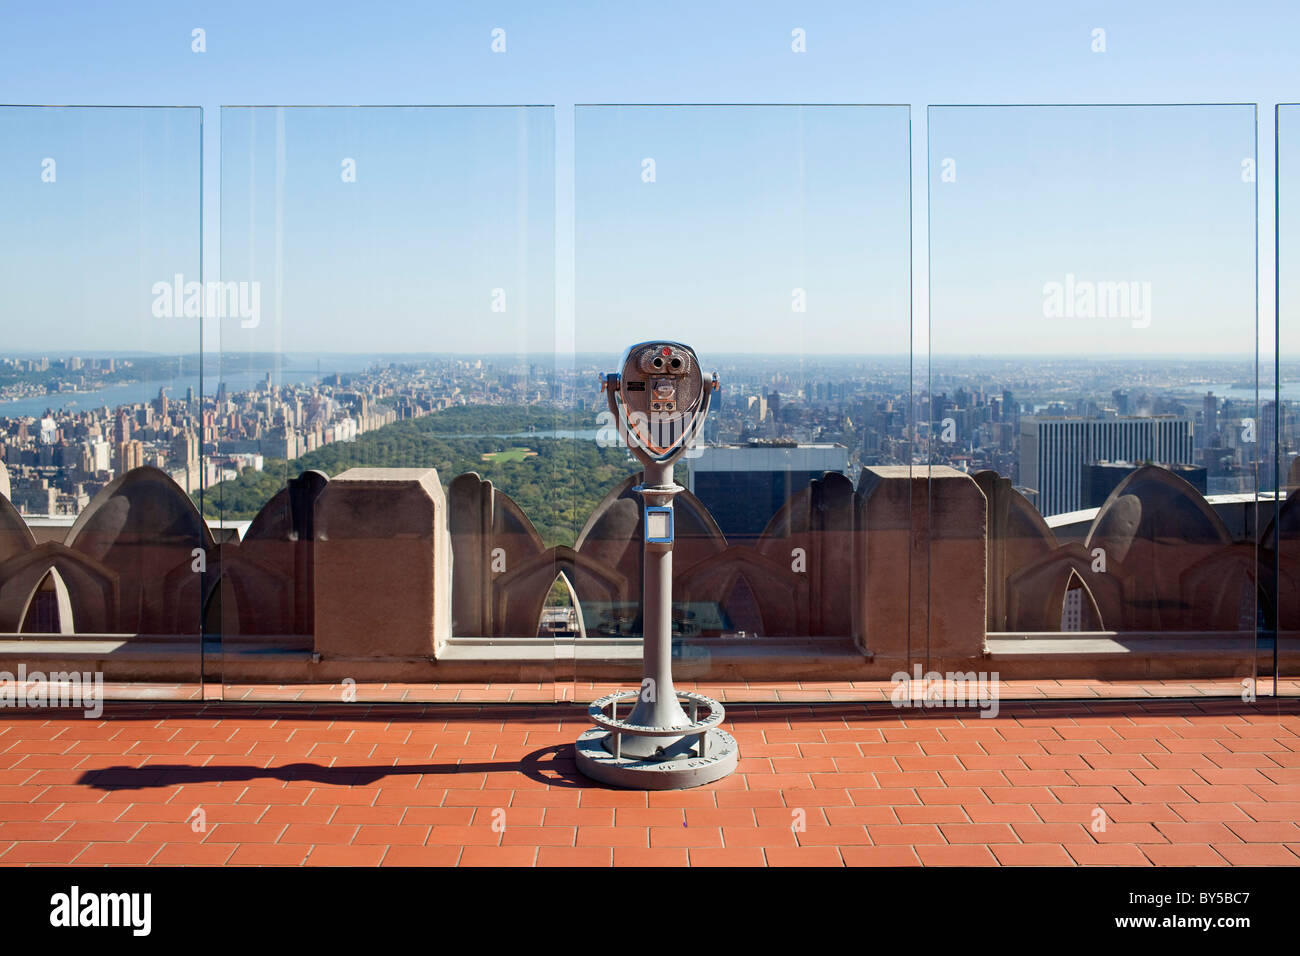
(1181, 781)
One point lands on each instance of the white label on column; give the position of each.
(658, 524)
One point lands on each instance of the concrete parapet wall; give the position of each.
(383, 564)
(922, 544)
(379, 572)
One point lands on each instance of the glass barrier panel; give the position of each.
(386, 421)
(1092, 398)
(1281, 542)
(102, 546)
(774, 243)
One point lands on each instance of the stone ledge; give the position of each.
(1013, 657)
(1137, 656)
(1095, 645)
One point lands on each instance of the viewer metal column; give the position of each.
(659, 401)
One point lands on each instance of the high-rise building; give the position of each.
(283, 443)
(743, 486)
(1267, 428)
(101, 456)
(34, 497)
(185, 460)
(1054, 451)
(1211, 413)
(130, 454)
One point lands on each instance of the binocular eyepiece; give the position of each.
(665, 359)
(659, 399)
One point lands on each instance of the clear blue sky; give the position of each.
(1153, 197)
(300, 53)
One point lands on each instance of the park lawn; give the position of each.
(510, 454)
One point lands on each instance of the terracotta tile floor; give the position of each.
(1213, 782)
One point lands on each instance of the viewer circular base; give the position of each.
(696, 753)
(636, 773)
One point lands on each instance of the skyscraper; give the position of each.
(743, 486)
(1054, 450)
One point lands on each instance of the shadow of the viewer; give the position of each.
(559, 771)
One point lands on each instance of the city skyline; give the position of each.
(902, 279)
(68, 425)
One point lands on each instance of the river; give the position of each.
(131, 393)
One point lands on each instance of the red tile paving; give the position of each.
(1046, 783)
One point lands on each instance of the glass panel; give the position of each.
(775, 242)
(102, 550)
(1093, 367)
(1286, 389)
(386, 402)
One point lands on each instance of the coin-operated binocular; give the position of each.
(659, 400)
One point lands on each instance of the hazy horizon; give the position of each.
(66, 352)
